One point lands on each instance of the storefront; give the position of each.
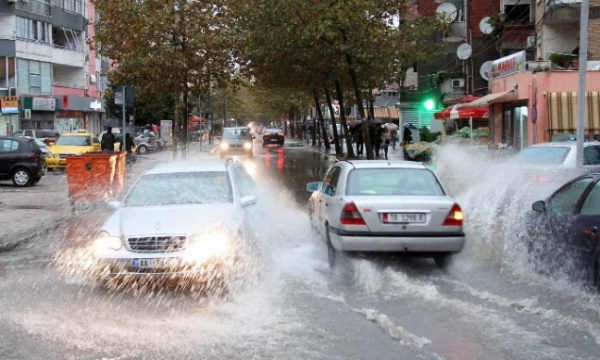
(78, 112)
(9, 120)
(38, 112)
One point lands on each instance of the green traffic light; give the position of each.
(429, 104)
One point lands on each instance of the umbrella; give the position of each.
(391, 127)
(112, 123)
(353, 123)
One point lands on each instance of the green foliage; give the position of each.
(427, 136)
(562, 60)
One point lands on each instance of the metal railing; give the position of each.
(35, 7)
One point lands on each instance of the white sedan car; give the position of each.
(178, 219)
(380, 206)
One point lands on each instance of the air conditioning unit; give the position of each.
(26, 114)
(12, 91)
(530, 42)
(458, 84)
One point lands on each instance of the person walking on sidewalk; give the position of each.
(360, 140)
(386, 139)
(108, 141)
(394, 134)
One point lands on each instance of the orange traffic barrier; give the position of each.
(95, 176)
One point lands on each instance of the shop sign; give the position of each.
(509, 64)
(96, 105)
(10, 105)
(43, 104)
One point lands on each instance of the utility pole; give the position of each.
(583, 44)
(211, 115)
(200, 116)
(224, 107)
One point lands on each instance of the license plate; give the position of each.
(405, 218)
(62, 162)
(150, 263)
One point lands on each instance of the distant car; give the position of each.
(236, 141)
(70, 144)
(181, 220)
(378, 206)
(272, 136)
(146, 142)
(563, 230)
(49, 137)
(21, 161)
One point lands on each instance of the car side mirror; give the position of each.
(539, 206)
(313, 186)
(114, 204)
(248, 200)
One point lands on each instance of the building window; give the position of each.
(35, 77)
(74, 6)
(517, 14)
(33, 30)
(99, 81)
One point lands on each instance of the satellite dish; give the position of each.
(485, 70)
(448, 12)
(485, 26)
(464, 51)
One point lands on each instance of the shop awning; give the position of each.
(454, 112)
(485, 101)
(385, 113)
(562, 112)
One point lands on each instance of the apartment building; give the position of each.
(49, 76)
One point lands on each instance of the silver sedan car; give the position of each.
(380, 206)
(183, 220)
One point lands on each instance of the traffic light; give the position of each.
(429, 104)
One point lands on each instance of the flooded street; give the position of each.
(488, 304)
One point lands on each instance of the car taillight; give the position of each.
(455, 217)
(33, 158)
(351, 215)
(541, 179)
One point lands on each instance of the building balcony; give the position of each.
(67, 57)
(562, 12)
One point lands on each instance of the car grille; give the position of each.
(155, 244)
(64, 155)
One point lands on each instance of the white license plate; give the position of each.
(150, 263)
(406, 218)
(62, 162)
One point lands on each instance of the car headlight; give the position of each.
(224, 146)
(55, 155)
(105, 242)
(48, 154)
(202, 247)
(248, 145)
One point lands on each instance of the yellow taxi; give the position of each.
(70, 144)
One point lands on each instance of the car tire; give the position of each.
(443, 260)
(21, 177)
(143, 150)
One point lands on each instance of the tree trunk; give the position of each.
(336, 140)
(184, 135)
(321, 122)
(361, 110)
(340, 94)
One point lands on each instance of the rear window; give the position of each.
(75, 140)
(393, 181)
(542, 155)
(33, 146)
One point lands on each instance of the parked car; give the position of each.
(49, 137)
(181, 219)
(21, 161)
(273, 136)
(562, 231)
(70, 144)
(146, 142)
(378, 206)
(236, 141)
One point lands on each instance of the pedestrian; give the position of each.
(376, 139)
(394, 134)
(407, 136)
(360, 140)
(108, 141)
(386, 138)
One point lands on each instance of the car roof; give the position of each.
(17, 138)
(77, 134)
(371, 164)
(188, 166)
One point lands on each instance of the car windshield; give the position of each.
(236, 133)
(394, 181)
(181, 188)
(542, 155)
(76, 140)
(40, 144)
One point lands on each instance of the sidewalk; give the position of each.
(26, 213)
(393, 154)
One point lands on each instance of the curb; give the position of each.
(24, 237)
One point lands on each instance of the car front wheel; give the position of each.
(21, 177)
(143, 150)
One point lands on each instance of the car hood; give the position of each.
(170, 220)
(59, 149)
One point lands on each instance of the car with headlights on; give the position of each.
(236, 141)
(391, 207)
(181, 219)
(70, 144)
(272, 136)
(562, 233)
